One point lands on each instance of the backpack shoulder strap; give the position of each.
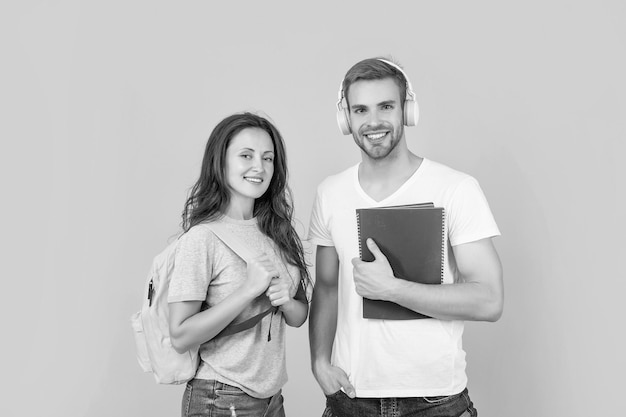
(245, 253)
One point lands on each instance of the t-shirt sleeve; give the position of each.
(469, 216)
(319, 227)
(192, 268)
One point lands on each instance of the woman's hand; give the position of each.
(280, 295)
(260, 272)
(279, 291)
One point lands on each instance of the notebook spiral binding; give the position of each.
(443, 241)
(358, 233)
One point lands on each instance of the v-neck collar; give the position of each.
(392, 196)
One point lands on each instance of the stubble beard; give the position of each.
(378, 152)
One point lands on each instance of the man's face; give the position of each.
(376, 116)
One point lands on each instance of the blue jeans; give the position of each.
(204, 398)
(458, 405)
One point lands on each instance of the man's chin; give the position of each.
(378, 152)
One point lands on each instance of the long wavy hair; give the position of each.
(210, 195)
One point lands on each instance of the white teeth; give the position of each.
(256, 180)
(376, 136)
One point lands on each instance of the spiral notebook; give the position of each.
(412, 239)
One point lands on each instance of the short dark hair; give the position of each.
(374, 69)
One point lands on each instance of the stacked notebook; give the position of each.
(412, 239)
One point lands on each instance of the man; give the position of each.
(396, 367)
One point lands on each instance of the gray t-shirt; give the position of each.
(205, 269)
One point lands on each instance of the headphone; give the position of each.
(410, 110)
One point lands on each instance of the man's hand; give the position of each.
(332, 378)
(373, 279)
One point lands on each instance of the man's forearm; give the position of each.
(322, 323)
(462, 301)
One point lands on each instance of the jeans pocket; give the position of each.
(440, 399)
(232, 401)
(334, 394)
(229, 390)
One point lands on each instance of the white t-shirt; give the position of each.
(399, 358)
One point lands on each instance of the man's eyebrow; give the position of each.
(382, 103)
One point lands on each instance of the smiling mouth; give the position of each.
(375, 136)
(254, 180)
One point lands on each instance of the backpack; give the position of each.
(151, 324)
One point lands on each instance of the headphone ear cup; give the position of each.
(411, 112)
(342, 121)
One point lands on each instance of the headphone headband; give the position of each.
(410, 109)
(408, 87)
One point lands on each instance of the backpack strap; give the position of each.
(245, 253)
(301, 293)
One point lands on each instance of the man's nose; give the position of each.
(373, 117)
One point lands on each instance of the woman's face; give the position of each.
(249, 165)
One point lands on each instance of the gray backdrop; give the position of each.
(106, 107)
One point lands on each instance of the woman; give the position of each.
(243, 184)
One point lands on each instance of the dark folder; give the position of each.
(412, 239)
